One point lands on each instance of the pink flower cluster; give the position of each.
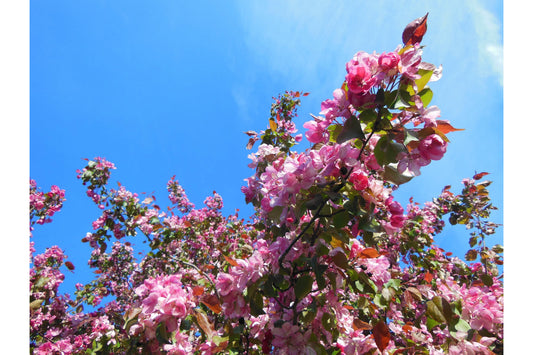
(44, 205)
(177, 196)
(164, 300)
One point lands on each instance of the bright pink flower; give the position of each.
(388, 61)
(432, 147)
(359, 179)
(361, 70)
(316, 131)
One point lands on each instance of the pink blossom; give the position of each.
(316, 131)
(361, 70)
(359, 179)
(432, 147)
(338, 107)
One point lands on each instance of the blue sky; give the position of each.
(167, 88)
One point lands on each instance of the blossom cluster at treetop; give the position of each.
(330, 263)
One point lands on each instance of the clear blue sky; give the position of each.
(165, 88)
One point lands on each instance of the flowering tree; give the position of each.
(331, 263)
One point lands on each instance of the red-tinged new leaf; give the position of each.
(230, 261)
(305, 94)
(382, 335)
(428, 277)
(480, 175)
(368, 253)
(211, 302)
(198, 290)
(415, 30)
(407, 328)
(359, 324)
(446, 127)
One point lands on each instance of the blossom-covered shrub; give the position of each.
(330, 263)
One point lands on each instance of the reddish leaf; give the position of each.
(157, 227)
(381, 335)
(446, 127)
(359, 324)
(230, 261)
(69, 265)
(369, 253)
(211, 302)
(187, 224)
(197, 290)
(305, 94)
(480, 175)
(415, 30)
(407, 328)
(428, 277)
(205, 324)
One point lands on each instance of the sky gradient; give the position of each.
(167, 88)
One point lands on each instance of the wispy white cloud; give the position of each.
(489, 34)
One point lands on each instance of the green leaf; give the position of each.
(409, 136)
(462, 326)
(334, 131)
(487, 279)
(391, 174)
(425, 75)
(440, 310)
(431, 323)
(386, 150)
(405, 97)
(425, 96)
(319, 269)
(341, 219)
(328, 322)
(36, 304)
(394, 284)
(303, 286)
(351, 129)
(314, 203)
(41, 282)
(256, 304)
(368, 116)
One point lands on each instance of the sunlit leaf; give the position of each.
(428, 277)
(369, 253)
(446, 127)
(231, 261)
(425, 96)
(273, 125)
